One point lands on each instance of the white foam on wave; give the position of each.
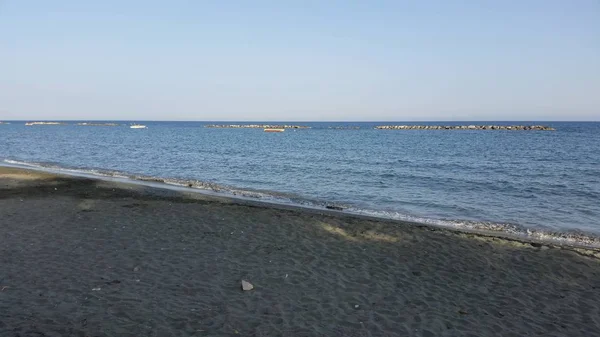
(575, 238)
(22, 163)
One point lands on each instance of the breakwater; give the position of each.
(98, 124)
(45, 123)
(256, 126)
(466, 127)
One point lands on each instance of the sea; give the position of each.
(542, 185)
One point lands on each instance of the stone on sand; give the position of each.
(246, 286)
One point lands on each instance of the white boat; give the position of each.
(137, 126)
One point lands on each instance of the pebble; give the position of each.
(246, 286)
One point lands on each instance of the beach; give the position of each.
(89, 257)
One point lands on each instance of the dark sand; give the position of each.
(81, 257)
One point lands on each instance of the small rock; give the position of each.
(462, 312)
(246, 286)
(335, 207)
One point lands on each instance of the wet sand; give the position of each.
(84, 257)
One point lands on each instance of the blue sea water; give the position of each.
(536, 183)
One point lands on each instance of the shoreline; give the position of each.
(591, 242)
(101, 258)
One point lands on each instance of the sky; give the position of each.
(300, 60)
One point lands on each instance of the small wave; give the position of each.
(21, 163)
(567, 238)
(150, 179)
(574, 237)
(57, 168)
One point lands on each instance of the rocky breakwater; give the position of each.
(466, 127)
(97, 124)
(45, 123)
(256, 126)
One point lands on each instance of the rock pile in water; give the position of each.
(465, 127)
(256, 126)
(98, 124)
(44, 123)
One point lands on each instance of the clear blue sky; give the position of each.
(300, 60)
